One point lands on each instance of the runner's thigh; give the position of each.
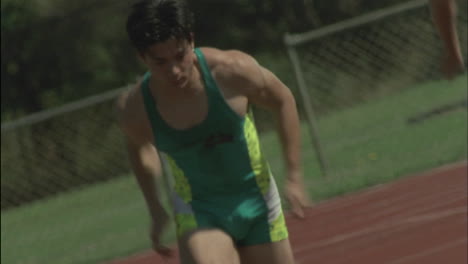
(273, 253)
(207, 246)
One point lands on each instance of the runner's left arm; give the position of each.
(262, 88)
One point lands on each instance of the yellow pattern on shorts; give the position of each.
(185, 223)
(182, 186)
(259, 165)
(278, 229)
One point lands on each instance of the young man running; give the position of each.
(192, 109)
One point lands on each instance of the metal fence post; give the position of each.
(309, 112)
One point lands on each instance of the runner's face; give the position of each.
(170, 62)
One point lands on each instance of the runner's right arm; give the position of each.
(145, 163)
(143, 156)
(146, 166)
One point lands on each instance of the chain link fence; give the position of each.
(61, 149)
(366, 58)
(341, 65)
(373, 82)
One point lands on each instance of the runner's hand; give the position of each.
(297, 198)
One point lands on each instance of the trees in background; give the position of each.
(57, 51)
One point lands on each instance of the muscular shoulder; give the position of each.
(233, 67)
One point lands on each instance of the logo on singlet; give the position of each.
(216, 139)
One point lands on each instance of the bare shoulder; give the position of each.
(130, 113)
(232, 66)
(228, 61)
(125, 105)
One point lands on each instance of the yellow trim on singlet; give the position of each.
(181, 185)
(185, 223)
(278, 229)
(257, 161)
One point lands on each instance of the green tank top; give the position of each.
(218, 157)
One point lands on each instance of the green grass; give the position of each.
(366, 145)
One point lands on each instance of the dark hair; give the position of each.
(153, 21)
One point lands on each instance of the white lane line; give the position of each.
(429, 252)
(384, 226)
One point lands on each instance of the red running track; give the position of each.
(421, 219)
